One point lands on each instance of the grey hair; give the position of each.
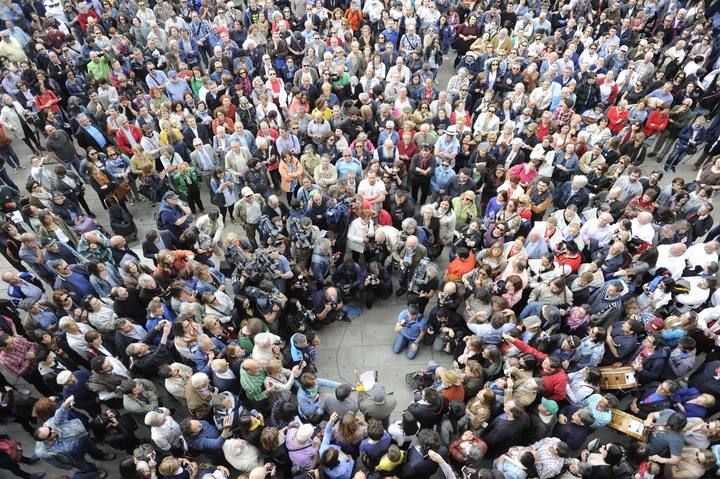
(426, 208)
(198, 379)
(409, 223)
(65, 322)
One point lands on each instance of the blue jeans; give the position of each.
(676, 156)
(401, 342)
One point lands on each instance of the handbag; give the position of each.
(218, 198)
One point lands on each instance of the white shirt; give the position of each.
(365, 189)
(674, 264)
(644, 232)
(696, 255)
(167, 435)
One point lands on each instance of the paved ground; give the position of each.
(363, 345)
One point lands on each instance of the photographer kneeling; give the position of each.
(348, 279)
(378, 284)
(328, 306)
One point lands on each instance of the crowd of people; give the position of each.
(542, 173)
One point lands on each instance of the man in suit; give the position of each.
(688, 140)
(120, 250)
(573, 192)
(203, 158)
(89, 135)
(193, 130)
(156, 241)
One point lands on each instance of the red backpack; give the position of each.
(12, 448)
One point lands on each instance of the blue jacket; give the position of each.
(441, 178)
(309, 402)
(686, 134)
(343, 470)
(202, 365)
(208, 439)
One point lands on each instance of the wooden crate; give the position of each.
(628, 424)
(617, 378)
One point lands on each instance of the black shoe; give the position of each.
(400, 292)
(33, 459)
(101, 474)
(345, 319)
(37, 475)
(672, 168)
(652, 153)
(108, 456)
(368, 304)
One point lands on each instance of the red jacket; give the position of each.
(655, 123)
(555, 381)
(617, 119)
(123, 141)
(555, 384)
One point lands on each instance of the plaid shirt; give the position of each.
(548, 464)
(14, 360)
(562, 116)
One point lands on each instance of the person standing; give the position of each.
(247, 213)
(60, 143)
(63, 442)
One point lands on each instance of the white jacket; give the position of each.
(357, 234)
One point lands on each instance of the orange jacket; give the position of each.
(354, 18)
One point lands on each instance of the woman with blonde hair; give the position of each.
(465, 208)
(694, 464)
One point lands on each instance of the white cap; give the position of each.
(63, 378)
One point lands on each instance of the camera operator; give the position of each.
(469, 236)
(268, 300)
(303, 235)
(407, 256)
(449, 298)
(424, 284)
(317, 208)
(444, 329)
(281, 269)
(321, 263)
(328, 306)
(381, 245)
(378, 283)
(237, 251)
(348, 279)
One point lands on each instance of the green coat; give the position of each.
(179, 180)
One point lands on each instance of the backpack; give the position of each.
(12, 448)
(336, 214)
